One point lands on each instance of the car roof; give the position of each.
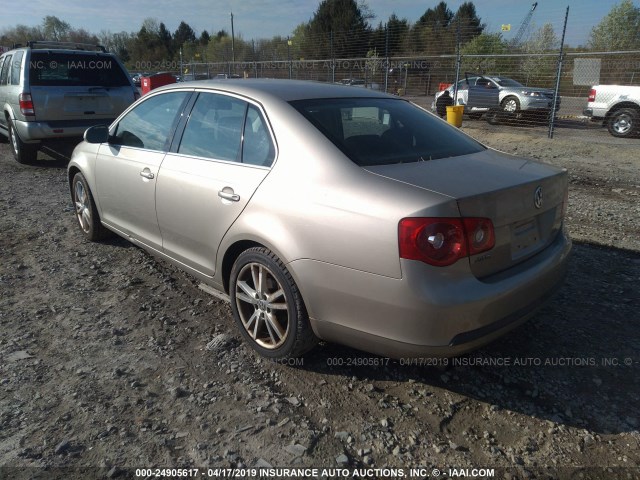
(287, 90)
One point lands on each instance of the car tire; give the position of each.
(271, 315)
(23, 152)
(511, 105)
(86, 211)
(624, 122)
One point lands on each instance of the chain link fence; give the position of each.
(427, 76)
(531, 80)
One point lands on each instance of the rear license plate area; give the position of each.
(525, 237)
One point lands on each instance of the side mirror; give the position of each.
(97, 134)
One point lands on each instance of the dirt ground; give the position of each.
(112, 361)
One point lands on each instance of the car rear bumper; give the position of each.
(38, 131)
(430, 311)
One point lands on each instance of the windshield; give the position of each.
(508, 82)
(76, 70)
(380, 131)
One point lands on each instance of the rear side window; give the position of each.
(76, 70)
(257, 147)
(214, 129)
(15, 68)
(4, 73)
(380, 131)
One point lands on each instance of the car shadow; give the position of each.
(573, 363)
(54, 155)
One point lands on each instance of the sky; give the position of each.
(255, 19)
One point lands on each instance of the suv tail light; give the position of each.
(592, 95)
(26, 104)
(444, 241)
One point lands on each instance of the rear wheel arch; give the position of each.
(231, 255)
(619, 106)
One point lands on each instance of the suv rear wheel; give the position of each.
(22, 152)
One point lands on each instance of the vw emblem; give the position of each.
(537, 197)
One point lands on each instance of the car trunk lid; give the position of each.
(74, 103)
(522, 198)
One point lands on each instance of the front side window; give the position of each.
(376, 131)
(150, 124)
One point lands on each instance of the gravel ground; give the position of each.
(112, 360)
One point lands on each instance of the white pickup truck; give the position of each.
(617, 107)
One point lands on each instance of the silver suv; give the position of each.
(56, 90)
(514, 98)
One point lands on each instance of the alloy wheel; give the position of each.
(622, 123)
(83, 207)
(510, 105)
(262, 306)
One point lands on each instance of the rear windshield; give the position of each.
(76, 70)
(508, 82)
(378, 131)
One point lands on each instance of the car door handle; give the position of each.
(147, 174)
(233, 197)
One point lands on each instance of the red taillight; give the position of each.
(444, 241)
(592, 95)
(26, 104)
(480, 235)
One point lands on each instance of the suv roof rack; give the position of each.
(43, 44)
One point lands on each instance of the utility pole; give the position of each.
(386, 57)
(233, 44)
(289, 43)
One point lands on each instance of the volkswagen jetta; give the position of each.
(328, 212)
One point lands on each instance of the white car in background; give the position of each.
(358, 82)
(617, 107)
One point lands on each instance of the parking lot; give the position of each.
(113, 361)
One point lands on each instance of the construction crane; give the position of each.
(523, 26)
